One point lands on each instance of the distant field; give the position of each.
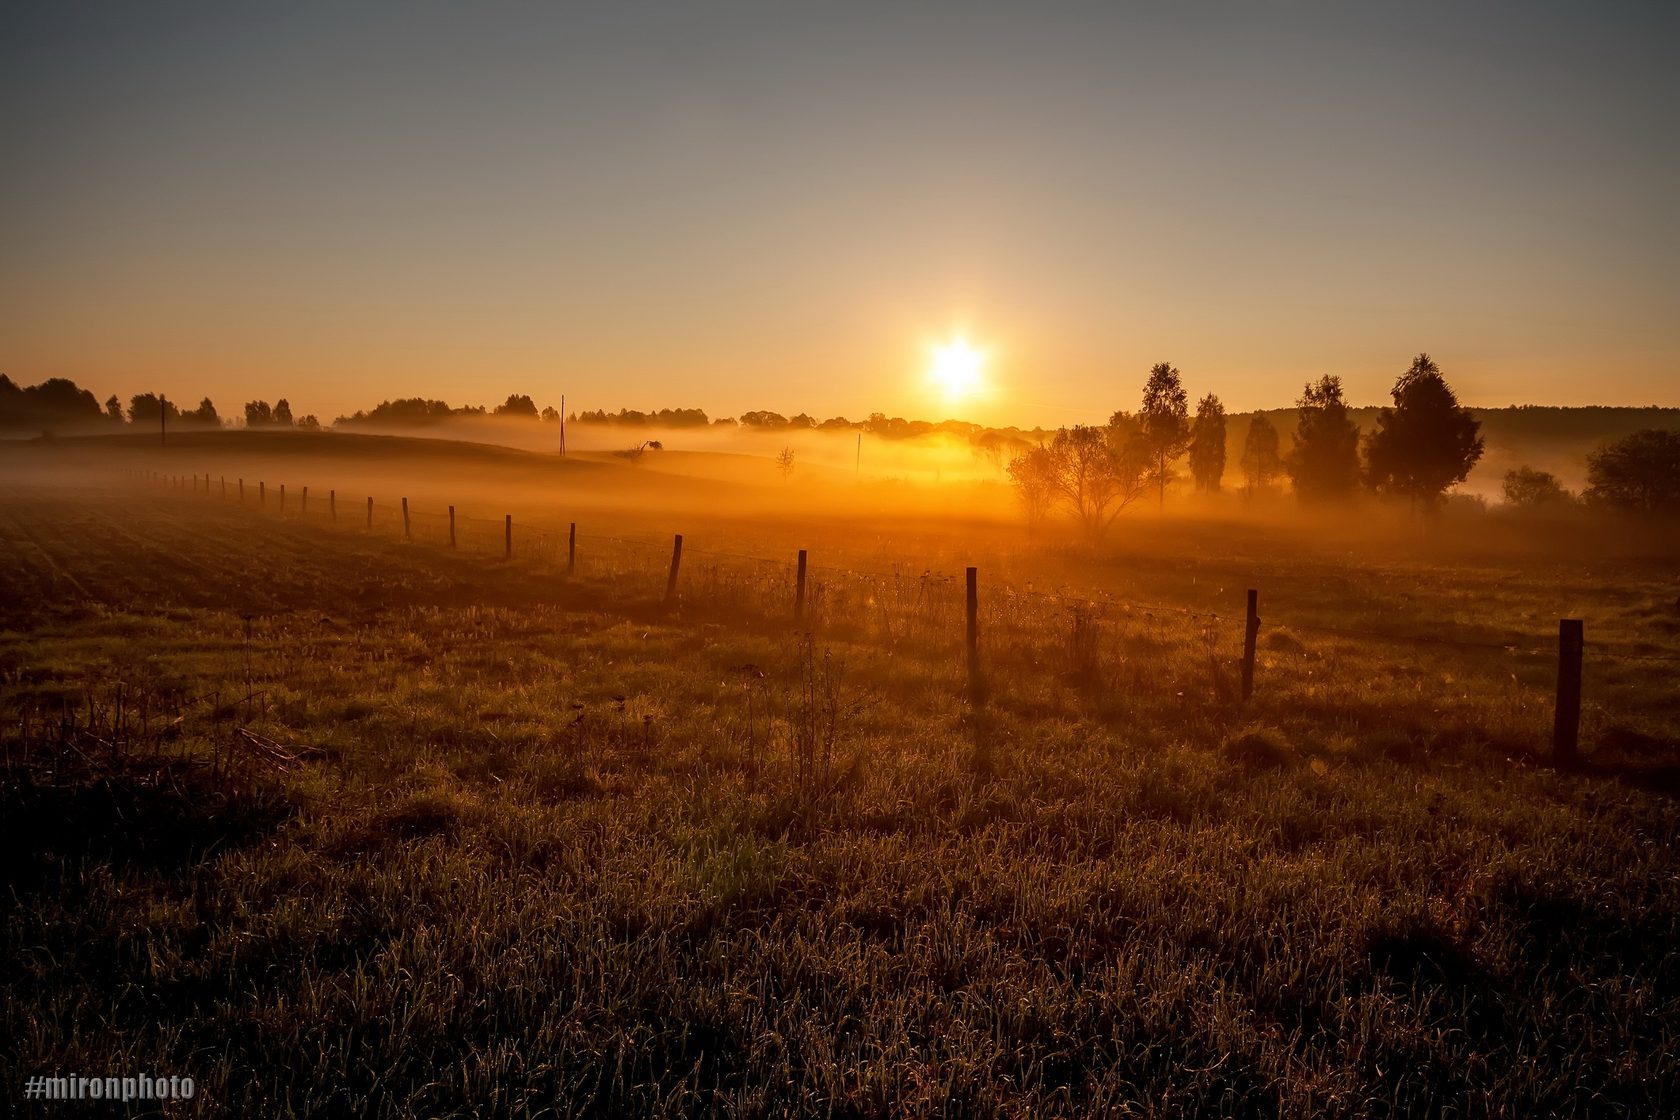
(339, 822)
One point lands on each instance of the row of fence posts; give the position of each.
(1566, 723)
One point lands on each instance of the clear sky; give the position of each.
(783, 205)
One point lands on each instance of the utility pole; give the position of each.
(562, 425)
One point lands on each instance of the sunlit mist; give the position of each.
(956, 368)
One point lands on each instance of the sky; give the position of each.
(785, 206)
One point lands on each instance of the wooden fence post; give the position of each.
(262, 493)
(370, 512)
(224, 486)
(332, 504)
(406, 534)
(976, 687)
(799, 590)
(282, 497)
(507, 537)
(242, 489)
(1251, 631)
(451, 526)
(571, 549)
(304, 507)
(1566, 727)
(676, 563)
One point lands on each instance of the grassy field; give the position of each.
(342, 824)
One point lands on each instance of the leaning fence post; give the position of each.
(676, 563)
(799, 590)
(451, 526)
(507, 537)
(976, 688)
(1251, 631)
(224, 486)
(406, 535)
(571, 549)
(1566, 727)
(370, 512)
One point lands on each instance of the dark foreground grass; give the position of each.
(457, 840)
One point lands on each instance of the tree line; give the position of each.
(1422, 446)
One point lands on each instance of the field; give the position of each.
(340, 822)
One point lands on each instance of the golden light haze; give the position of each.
(736, 210)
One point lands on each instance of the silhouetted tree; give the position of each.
(517, 404)
(763, 419)
(204, 414)
(113, 408)
(1527, 488)
(1097, 472)
(283, 413)
(1165, 420)
(1033, 473)
(1640, 473)
(1207, 443)
(56, 403)
(1324, 463)
(309, 423)
(1260, 459)
(550, 414)
(258, 414)
(784, 463)
(149, 408)
(1426, 443)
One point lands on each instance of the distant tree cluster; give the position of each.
(1420, 448)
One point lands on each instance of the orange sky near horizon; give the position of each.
(751, 208)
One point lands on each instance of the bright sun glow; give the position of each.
(955, 368)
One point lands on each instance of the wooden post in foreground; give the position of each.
(571, 549)
(451, 526)
(976, 687)
(370, 512)
(282, 497)
(242, 489)
(262, 493)
(224, 486)
(406, 534)
(676, 564)
(799, 590)
(1566, 727)
(507, 537)
(1251, 631)
(304, 506)
(332, 504)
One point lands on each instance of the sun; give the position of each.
(954, 368)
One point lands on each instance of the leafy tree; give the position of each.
(517, 405)
(310, 423)
(1324, 463)
(1527, 488)
(550, 414)
(204, 414)
(784, 463)
(1260, 459)
(1640, 473)
(258, 414)
(114, 408)
(55, 403)
(1033, 472)
(149, 408)
(1165, 420)
(1207, 444)
(283, 413)
(1095, 472)
(763, 419)
(1426, 443)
